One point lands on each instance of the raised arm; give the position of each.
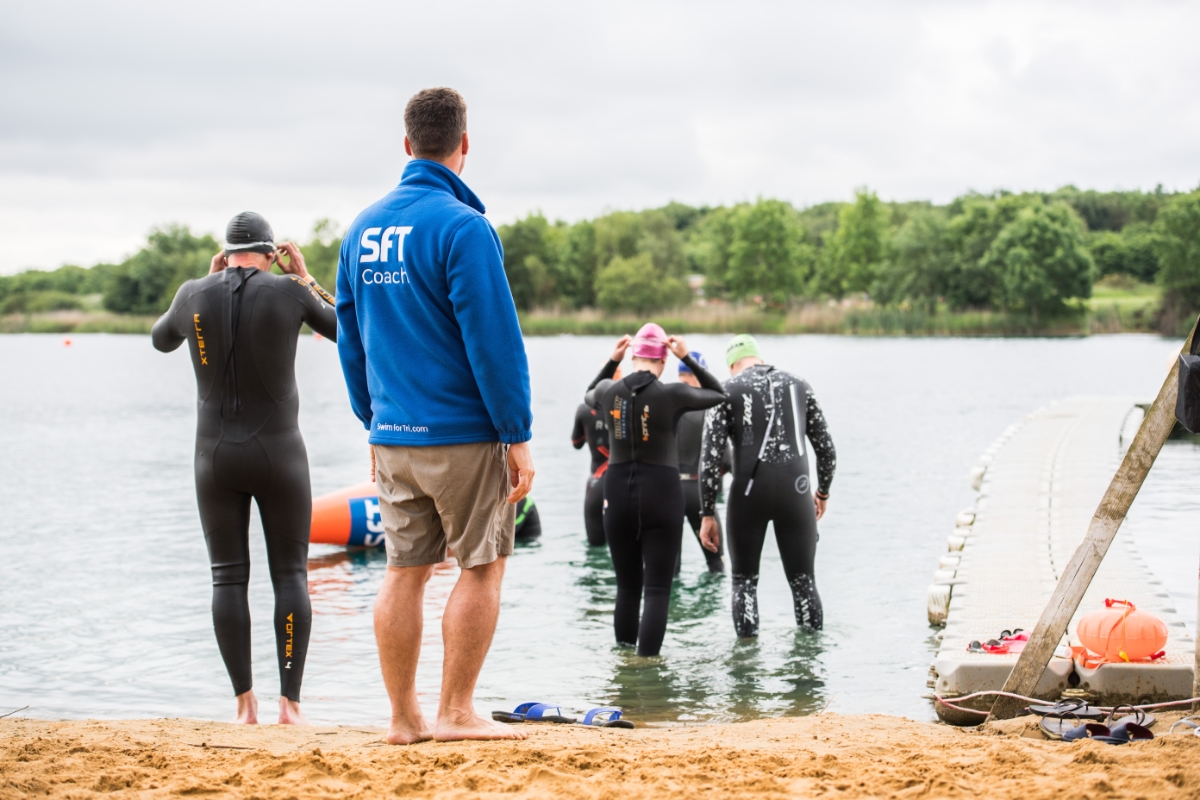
(686, 397)
(822, 445)
(319, 312)
(166, 335)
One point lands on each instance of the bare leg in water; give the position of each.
(467, 628)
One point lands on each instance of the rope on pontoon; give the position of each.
(947, 702)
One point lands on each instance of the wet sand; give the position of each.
(826, 755)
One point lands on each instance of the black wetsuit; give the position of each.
(241, 326)
(690, 435)
(528, 523)
(770, 484)
(643, 502)
(589, 429)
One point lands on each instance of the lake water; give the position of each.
(104, 580)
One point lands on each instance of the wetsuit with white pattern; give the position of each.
(767, 417)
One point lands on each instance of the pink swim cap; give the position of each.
(650, 342)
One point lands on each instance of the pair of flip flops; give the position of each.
(1066, 716)
(1007, 642)
(1121, 733)
(602, 717)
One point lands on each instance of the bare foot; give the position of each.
(474, 727)
(404, 731)
(247, 709)
(290, 713)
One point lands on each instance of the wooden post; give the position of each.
(1078, 574)
(1196, 663)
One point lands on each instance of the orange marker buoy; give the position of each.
(66, 342)
(1119, 632)
(348, 516)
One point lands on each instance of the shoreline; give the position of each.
(843, 320)
(819, 755)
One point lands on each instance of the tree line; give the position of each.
(146, 282)
(1030, 253)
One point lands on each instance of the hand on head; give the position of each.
(295, 260)
(678, 346)
(218, 263)
(618, 353)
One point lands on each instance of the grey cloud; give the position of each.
(127, 114)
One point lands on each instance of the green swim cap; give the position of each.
(739, 347)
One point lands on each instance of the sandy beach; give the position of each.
(820, 755)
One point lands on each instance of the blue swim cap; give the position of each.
(696, 354)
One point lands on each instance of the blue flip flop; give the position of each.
(547, 712)
(606, 718)
(518, 714)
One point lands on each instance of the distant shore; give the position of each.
(1100, 315)
(827, 755)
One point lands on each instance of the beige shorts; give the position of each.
(447, 495)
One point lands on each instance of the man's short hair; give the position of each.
(435, 121)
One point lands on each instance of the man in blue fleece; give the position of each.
(436, 368)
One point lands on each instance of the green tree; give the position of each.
(1041, 260)
(708, 249)
(1177, 245)
(147, 281)
(974, 226)
(530, 259)
(768, 256)
(922, 264)
(635, 285)
(1128, 252)
(579, 263)
(617, 235)
(856, 252)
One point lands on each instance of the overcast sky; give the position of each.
(118, 116)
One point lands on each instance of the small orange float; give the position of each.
(348, 516)
(1119, 632)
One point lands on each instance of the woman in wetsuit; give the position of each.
(643, 514)
(590, 430)
(241, 324)
(768, 415)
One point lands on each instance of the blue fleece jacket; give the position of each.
(427, 330)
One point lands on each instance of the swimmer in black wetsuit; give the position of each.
(528, 523)
(241, 324)
(690, 435)
(590, 430)
(767, 416)
(643, 502)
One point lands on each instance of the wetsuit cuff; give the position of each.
(822, 495)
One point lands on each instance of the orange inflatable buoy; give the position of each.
(348, 516)
(1119, 632)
